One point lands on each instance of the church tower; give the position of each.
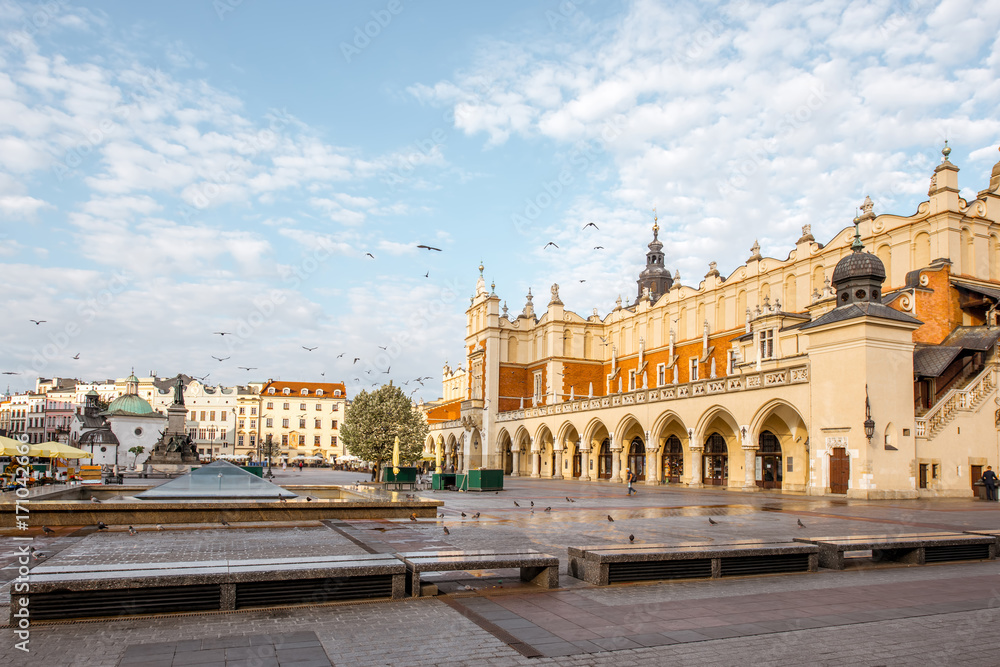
(655, 276)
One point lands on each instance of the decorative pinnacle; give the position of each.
(481, 267)
(857, 246)
(946, 151)
(656, 224)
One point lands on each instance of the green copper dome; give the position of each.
(130, 403)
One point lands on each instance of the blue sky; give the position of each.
(168, 170)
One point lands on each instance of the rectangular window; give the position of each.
(318, 423)
(239, 440)
(730, 362)
(302, 423)
(334, 424)
(270, 405)
(319, 407)
(284, 423)
(194, 416)
(222, 435)
(693, 365)
(211, 416)
(302, 406)
(242, 411)
(284, 439)
(201, 434)
(253, 423)
(316, 440)
(284, 406)
(631, 380)
(333, 441)
(253, 410)
(336, 406)
(270, 422)
(537, 396)
(240, 423)
(302, 441)
(202, 416)
(253, 440)
(767, 343)
(222, 415)
(661, 375)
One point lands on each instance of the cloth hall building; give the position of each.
(863, 366)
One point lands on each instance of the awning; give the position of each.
(978, 339)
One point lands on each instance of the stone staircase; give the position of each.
(966, 396)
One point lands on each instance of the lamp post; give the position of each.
(269, 451)
(869, 422)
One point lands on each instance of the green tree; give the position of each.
(135, 452)
(373, 421)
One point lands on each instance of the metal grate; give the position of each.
(312, 591)
(956, 552)
(125, 602)
(743, 565)
(660, 569)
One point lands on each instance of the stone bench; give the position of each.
(914, 548)
(131, 589)
(537, 568)
(606, 564)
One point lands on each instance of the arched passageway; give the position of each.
(716, 461)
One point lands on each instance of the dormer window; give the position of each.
(319, 392)
(336, 392)
(304, 392)
(270, 390)
(286, 391)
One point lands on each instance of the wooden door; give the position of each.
(577, 461)
(840, 470)
(975, 474)
(923, 475)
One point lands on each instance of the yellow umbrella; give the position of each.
(9, 446)
(395, 456)
(58, 450)
(438, 451)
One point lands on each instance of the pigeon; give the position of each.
(94, 499)
(463, 515)
(801, 525)
(281, 499)
(132, 531)
(496, 493)
(550, 243)
(631, 538)
(427, 247)
(446, 531)
(712, 522)
(222, 333)
(101, 525)
(569, 500)
(308, 349)
(223, 522)
(48, 531)
(598, 247)
(590, 224)
(515, 504)
(37, 322)
(532, 503)
(476, 515)
(309, 499)
(547, 509)
(610, 519)
(159, 527)
(440, 515)
(368, 254)
(220, 358)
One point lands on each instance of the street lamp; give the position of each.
(269, 449)
(869, 422)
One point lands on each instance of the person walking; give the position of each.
(300, 466)
(630, 478)
(990, 481)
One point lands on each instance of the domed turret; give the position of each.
(859, 276)
(655, 277)
(131, 404)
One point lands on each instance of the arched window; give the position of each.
(818, 278)
(921, 251)
(567, 343)
(604, 460)
(968, 254)
(768, 443)
(286, 391)
(319, 392)
(673, 460)
(304, 392)
(788, 299)
(637, 458)
(768, 471)
(512, 349)
(270, 390)
(716, 444)
(994, 257)
(884, 253)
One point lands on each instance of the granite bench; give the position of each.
(537, 568)
(914, 548)
(131, 589)
(606, 564)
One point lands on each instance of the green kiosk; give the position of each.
(485, 479)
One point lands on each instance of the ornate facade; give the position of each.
(865, 366)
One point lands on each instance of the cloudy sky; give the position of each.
(170, 170)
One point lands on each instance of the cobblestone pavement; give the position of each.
(886, 615)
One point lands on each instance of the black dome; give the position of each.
(858, 265)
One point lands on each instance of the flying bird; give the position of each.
(590, 224)
(10, 373)
(220, 358)
(368, 254)
(341, 354)
(801, 525)
(77, 356)
(712, 522)
(37, 322)
(598, 247)
(427, 275)
(247, 368)
(223, 333)
(356, 359)
(583, 281)
(610, 519)
(550, 243)
(427, 247)
(308, 349)
(383, 348)
(48, 531)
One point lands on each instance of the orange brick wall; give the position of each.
(444, 413)
(580, 376)
(939, 309)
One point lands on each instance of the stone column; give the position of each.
(516, 471)
(652, 466)
(536, 460)
(558, 472)
(460, 467)
(584, 461)
(696, 450)
(750, 468)
(616, 460)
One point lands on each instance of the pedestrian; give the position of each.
(629, 477)
(300, 466)
(284, 464)
(990, 481)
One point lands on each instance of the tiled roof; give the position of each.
(931, 360)
(973, 338)
(295, 388)
(861, 309)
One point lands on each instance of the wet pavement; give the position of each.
(491, 618)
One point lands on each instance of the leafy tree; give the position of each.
(136, 451)
(373, 421)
